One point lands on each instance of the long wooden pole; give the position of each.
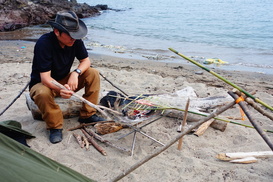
(222, 78)
(22, 91)
(113, 84)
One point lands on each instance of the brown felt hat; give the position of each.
(68, 21)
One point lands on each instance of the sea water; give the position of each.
(239, 32)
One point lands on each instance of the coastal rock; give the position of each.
(15, 14)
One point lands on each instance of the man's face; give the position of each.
(64, 39)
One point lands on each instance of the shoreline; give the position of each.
(195, 162)
(158, 54)
(22, 50)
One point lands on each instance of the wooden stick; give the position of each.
(203, 127)
(113, 84)
(22, 91)
(179, 147)
(159, 150)
(79, 140)
(258, 108)
(92, 141)
(92, 133)
(253, 122)
(82, 99)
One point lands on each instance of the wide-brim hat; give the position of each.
(68, 21)
(13, 126)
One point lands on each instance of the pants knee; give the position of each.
(40, 92)
(92, 72)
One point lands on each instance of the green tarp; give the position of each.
(20, 163)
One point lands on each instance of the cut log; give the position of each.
(70, 107)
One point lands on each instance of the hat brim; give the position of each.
(5, 127)
(82, 32)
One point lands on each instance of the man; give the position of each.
(54, 54)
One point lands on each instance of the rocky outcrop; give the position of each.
(15, 14)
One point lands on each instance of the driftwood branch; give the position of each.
(240, 155)
(92, 141)
(244, 157)
(247, 160)
(158, 151)
(253, 122)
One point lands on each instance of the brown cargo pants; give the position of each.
(51, 112)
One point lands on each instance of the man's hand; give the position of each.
(66, 94)
(73, 81)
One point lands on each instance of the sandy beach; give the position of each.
(195, 162)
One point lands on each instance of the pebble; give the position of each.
(199, 72)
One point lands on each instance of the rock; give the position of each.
(102, 7)
(15, 14)
(70, 107)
